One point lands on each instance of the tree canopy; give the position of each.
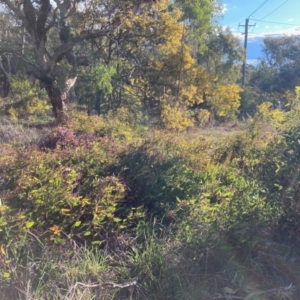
(155, 57)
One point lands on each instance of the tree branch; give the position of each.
(53, 21)
(5, 73)
(18, 14)
(65, 47)
(16, 10)
(91, 34)
(113, 285)
(3, 49)
(128, 55)
(43, 15)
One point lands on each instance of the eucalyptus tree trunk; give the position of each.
(59, 98)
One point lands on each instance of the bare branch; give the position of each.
(129, 54)
(3, 49)
(91, 34)
(113, 285)
(30, 15)
(2, 68)
(53, 21)
(14, 9)
(18, 14)
(65, 47)
(121, 286)
(43, 15)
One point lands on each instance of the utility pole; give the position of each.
(245, 46)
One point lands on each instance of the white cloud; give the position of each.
(290, 20)
(272, 33)
(266, 27)
(232, 29)
(291, 31)
(224, 8)
(253, 62)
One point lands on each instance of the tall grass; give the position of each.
(17, 133)
(156, 268)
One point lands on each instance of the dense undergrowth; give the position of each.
(103, 209)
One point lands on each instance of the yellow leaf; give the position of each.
(2, 250)
(55, 229)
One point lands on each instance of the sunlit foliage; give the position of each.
(26, 101)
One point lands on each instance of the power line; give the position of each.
(274, 10)
(259, 7)
(289, 24)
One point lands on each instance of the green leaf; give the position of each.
(96, 242)
(6, 274)
(278, 186)
(78, 223)
(87, 233)
(254, 294)
(29, 224)
(206, 194)
(117, 220)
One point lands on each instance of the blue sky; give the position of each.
(267, 14)
(272, 18)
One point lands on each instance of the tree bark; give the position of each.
(59, 98)
(56, 98)
(6, 81)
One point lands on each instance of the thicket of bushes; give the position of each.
(101, 201)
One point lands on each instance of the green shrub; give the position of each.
(61, 191)
(27, 101)
(281, 175)
(170, 209)
(82, 185)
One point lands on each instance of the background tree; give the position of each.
(222, 60)
(150, 57)
(69, 24)
(275, 77)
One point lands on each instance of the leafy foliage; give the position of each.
(27, 100)
(95, 85)
(226, 100)
(172, 203)
(128, 190)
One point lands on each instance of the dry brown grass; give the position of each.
(17, 133)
